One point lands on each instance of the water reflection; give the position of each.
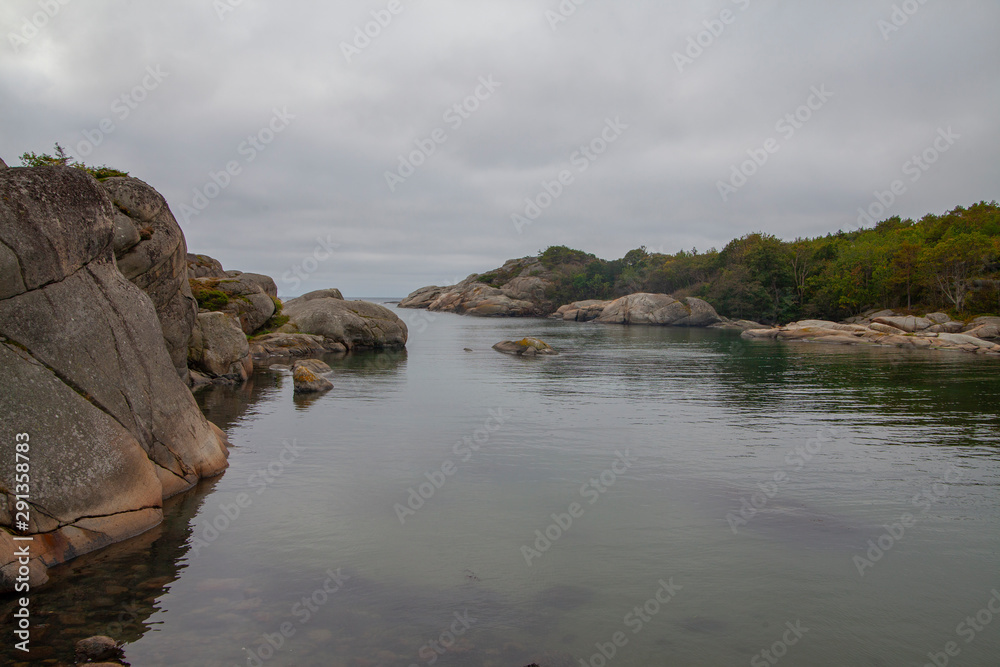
(110, 592)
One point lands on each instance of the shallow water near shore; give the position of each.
(828, 505)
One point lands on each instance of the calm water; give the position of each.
(680, 430)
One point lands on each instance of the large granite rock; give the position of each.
(203, 266)
(423, 297)
(353, 324)
(248, 303)
(86, 374)
(659, 309)
(266, 283)
(152, 253)
(219, 348)
(581, 311)
(909, 323)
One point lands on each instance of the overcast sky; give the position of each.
(667, 96)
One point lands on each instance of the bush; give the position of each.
(208, 299)
(60, 158)
(275, 322)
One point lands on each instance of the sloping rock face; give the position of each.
(354, 324)
(517, 289)
(152, 253)
(86, 374)
(659, 309)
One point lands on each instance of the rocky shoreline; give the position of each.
(106, 326)
(520, 288)
(934, 331)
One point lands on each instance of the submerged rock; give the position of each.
(98, 649)
(307, 378)
(526, 347)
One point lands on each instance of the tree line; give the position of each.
(948, 262)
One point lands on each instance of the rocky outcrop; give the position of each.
(526, 347)
(219, 348)
(357, 325)
(581, 311)
(889, 329)
(151, 252)
(203, 266)
(3, 165)
(517, 289)
(659, 309)
(266, 283)
(423, 297)
(83, 365)
(308, 376)
(293, 345)
(245, 299)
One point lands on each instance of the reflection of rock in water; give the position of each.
(225, 405)
(110, 592)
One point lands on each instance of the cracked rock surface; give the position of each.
(86, 372)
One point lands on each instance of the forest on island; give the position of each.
(948, 263)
